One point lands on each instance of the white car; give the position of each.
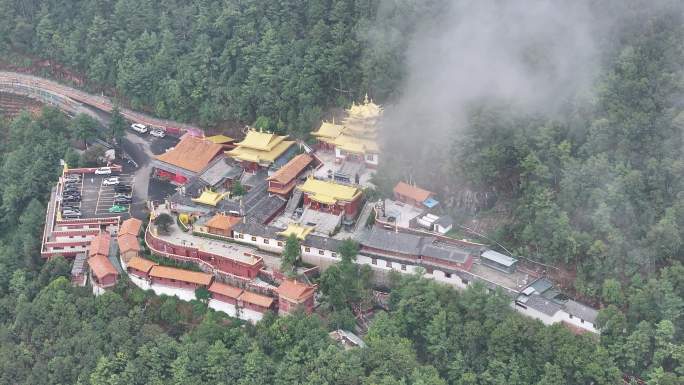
(137, 127)
(110, 181)
(158, 133)
(103, 171)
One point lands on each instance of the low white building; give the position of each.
(541, 301)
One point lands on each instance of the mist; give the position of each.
(535, 55)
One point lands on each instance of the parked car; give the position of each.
(118, 209)
(137, 127)
(103, 171)
(71, 199)
(122, 195)
(71, 216)
(159, 133)
(72, 178)
(66, 210)
(122, 188)
(111, 181)
(123, 201)
(70, 206)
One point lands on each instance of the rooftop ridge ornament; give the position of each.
(365, 99)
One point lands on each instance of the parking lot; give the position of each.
(97, 198)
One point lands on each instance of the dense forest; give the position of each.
(211, 61)
(596, 187)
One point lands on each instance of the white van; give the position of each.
(137, 127)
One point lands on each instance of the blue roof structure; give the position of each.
(430, 203)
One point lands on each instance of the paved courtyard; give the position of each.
(329, 167)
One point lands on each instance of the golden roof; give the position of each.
(329, 192)
(261, 141)
(210, 198)
(366, 110)
(298, 230)
(258, 156)
(356, 145)
(220, 139)
(328, 130)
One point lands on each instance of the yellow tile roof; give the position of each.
(261, 141)
(220, 139)
(210, 198)
(367, 109)
(328, 130)
(328, 192)
(259, 156)
(298, 230)
(356, 145)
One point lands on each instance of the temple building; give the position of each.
(186, 160)
(356, 138)
(414, 196)
(283, 181)
(331, 197)
(262, 150)
(293, 295)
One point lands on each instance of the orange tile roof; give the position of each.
(226, 290)
(141, 264)
(294, 290)
(128, 242)
(256, 299)
(180, 275)
(130, 226)
(99, 245)
(416, 193)
(223, 222)
(291, 169)
(191, 153)
(101, 266)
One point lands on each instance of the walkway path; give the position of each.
(63, 96)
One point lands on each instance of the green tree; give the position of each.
(163, 221)
(237, 190)
(83, 127)
(291, 255)
(117, 124)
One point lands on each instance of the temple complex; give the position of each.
(355, 139)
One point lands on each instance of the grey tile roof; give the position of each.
(195, 186)
(580, 310)
(542, 304)
(256, 229)
(78, 267)
(265, 209)
(322, 243)
(499, 258)
(541, 285)
(220, 169)
(446, 252)
(382, 239)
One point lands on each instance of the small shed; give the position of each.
(499, 261)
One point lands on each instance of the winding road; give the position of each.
(73, 100)
(140, 148)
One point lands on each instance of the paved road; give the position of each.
(63, 96)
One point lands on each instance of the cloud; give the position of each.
(534, 54)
